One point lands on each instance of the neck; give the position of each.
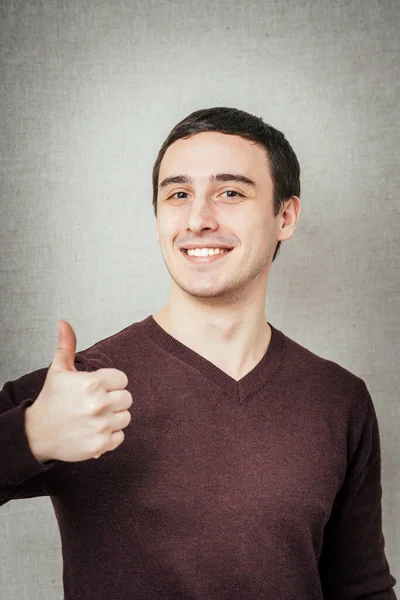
(233, 338)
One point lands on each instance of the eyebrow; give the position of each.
(218, 177)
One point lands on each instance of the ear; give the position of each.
(288, 218)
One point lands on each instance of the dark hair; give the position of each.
(284, 166)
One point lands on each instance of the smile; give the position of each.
(206, 258)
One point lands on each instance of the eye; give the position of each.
(233, 192)
(226, 192)
(174, 195)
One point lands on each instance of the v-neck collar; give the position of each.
(261, 374)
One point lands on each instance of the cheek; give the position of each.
(167, 225)
(171, 220)
(260, 236)
(169, 231)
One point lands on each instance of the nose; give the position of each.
(201, 216)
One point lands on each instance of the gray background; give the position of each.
(89, 91)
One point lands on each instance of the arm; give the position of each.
(353, 565)
(21, 474)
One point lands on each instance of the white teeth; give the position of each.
(206, 251)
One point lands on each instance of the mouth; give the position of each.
(206, 259)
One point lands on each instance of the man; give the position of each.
(249, 467)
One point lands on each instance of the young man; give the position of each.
(249, 467)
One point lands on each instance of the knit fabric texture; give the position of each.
(264, 488)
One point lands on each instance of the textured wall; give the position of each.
(89, 90)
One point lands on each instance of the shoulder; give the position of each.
(115, 350)
(317, 376)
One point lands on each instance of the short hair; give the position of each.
(283, 163)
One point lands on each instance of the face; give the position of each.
(198, 205)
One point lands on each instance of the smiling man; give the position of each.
(249, 468)
(218, 232)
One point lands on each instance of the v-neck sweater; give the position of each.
(264, 488)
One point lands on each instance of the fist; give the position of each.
(77, 415)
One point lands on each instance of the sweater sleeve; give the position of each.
(21, 475)
(353, 565)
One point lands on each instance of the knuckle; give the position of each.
(102, 425)
(95, 405)
(92, 384)
(126, 395)
(115, 440)
(98, 445)
(119, 438)
(125, 377)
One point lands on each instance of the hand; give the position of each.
(78, 414)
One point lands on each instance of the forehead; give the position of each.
(211, 152)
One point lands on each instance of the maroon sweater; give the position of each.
(263, 488)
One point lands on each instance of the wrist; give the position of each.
(35, 436)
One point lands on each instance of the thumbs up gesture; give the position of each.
(78, 414)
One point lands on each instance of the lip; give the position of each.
(210, 245)
(204, 259)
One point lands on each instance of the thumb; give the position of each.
(64, 355)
